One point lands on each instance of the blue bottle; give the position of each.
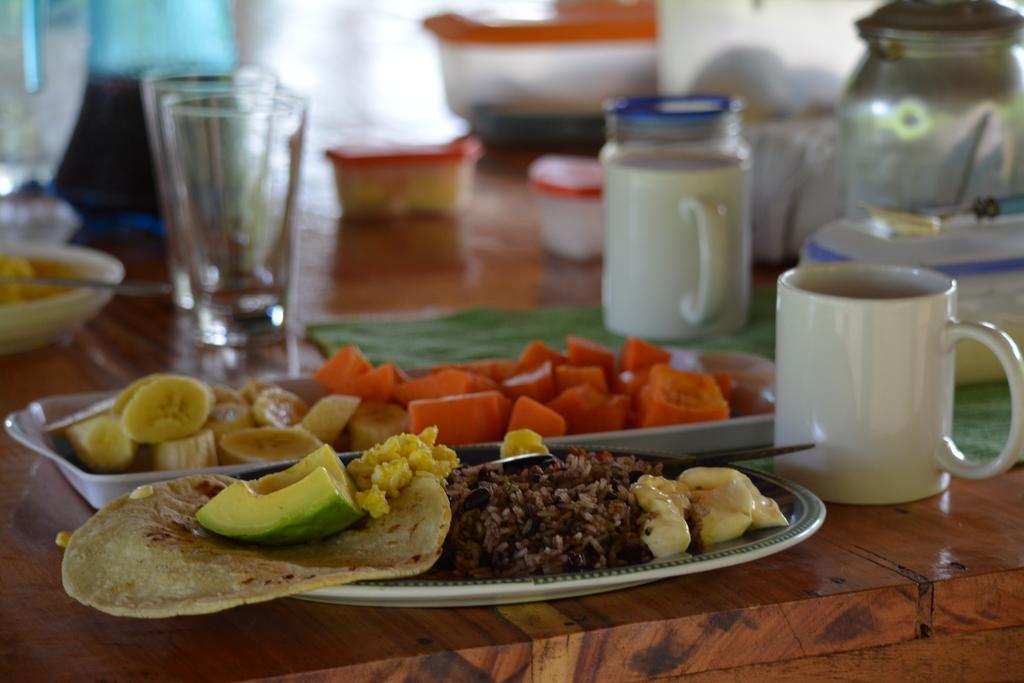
(106, 172)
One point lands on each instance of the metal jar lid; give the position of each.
(673, 117)
(944, 19)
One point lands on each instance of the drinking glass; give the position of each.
(157, 86)
(234, 160)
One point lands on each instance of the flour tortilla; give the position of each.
(150, 557)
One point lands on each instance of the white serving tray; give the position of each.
(753, 401)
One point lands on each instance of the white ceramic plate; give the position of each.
(753, 376)
(803, 509)
(31, 324)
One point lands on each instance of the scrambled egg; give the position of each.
(521, 442)
(63, 537)
(384, 470)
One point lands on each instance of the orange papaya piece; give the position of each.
(538, 383)
(343, 366)
(570, 375)
(587, 410)
(530, 414)
(676, 396)
(637, 354)
(447, 382)
(375, 385)
(534, 355)
(462, 419)
(583, 351)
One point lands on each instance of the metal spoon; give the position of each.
(122, 288)
(673, 463)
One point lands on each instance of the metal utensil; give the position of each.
(121, 288)
(675, 463)
(79, 415)
(903, 223)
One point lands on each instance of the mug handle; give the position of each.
(702, 305)
(949, 456)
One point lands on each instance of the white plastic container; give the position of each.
(569, 193)
(575, 57)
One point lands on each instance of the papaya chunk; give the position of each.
(530, 414)
(447, 382)
(463, 419)
(497, 369)
(374, 385)
(630, 382)
(342, 367)
(538, 384)
(677, 396)
(587, 410)
(583, 351)
(638, 354)
(535, 354)
(570, 375)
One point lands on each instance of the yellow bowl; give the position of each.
(31, 324)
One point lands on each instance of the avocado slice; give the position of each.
(313, 498)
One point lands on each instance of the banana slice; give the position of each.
(102, 444)
(265, 444)
(198, 450)
(225, 394)
(253, 388)
(229, 417)
(373, 422)
(167, 408)
(329, 415)
(126, 394)
(278, 407)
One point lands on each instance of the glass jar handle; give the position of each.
(702, 305)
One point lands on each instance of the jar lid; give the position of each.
(946, 18)
(679, 108)
(586, 21)
(567, 176)
(368, 155)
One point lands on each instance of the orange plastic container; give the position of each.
(377, 182)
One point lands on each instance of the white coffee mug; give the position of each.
(677, 247)
(864, 369)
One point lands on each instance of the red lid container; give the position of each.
(567, 176)
(370, 155)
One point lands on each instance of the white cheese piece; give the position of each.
(666, 532)
(726, 504)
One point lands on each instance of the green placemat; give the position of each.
(479, 333)
(981, 416)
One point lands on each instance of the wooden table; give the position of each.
(928, 591)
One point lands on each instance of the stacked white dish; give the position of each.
(985, 258)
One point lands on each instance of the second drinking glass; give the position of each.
(234, 162)
(157, 87)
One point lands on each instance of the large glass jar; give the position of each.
(934, 114)
(677, 218)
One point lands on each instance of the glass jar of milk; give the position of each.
(677, 217)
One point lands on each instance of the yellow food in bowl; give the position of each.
(18, 266)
